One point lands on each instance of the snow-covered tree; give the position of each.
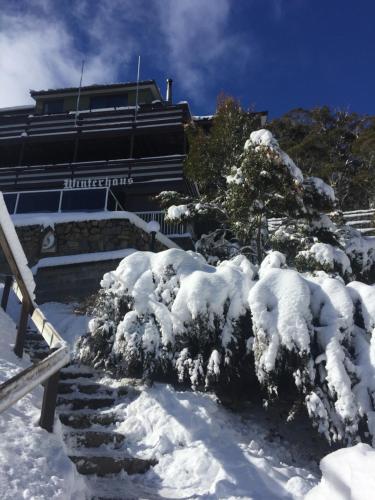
(265, 183)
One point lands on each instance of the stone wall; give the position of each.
(76, 281)
(71, 283)
(73, 238)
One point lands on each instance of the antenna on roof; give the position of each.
(79, 92)
(137, 91)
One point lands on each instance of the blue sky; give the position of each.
(271, 54)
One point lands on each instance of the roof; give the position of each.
(87, 88)
(198, 118)
(17, 110)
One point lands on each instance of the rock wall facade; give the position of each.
(76, 281)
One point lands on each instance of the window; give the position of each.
(10, 202)
(52, 107)
(83, 200)
(109, 101)
(47, 201)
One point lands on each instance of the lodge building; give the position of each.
(100, 147)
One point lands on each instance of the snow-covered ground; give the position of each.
(206, 451)
(33, 463)
(203, 450)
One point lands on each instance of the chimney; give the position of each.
(168, 96)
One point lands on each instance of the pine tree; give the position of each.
(266, 184)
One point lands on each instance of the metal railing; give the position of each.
(175, 229)
(44, 372)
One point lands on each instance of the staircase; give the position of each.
(363, 220)
(85, 406)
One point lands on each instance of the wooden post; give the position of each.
(22, 327)
(6, 290)
(47, 415)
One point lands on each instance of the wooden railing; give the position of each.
(44, 372)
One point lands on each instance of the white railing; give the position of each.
(362, 220)
(175, 229)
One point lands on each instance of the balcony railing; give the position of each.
(174, 229)
(91, 122)
(141, 170)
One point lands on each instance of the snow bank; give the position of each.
(17, 250)
(265, 138)
(206, 451)
(348, 474)
(33, 463)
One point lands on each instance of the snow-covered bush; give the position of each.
(308, 338)
(172, 315)
(361, 252)
(317, 333)
(325, 257)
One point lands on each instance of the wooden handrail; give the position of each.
(25, 381)
(44, 327)
(45, 371)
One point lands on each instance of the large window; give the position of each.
(45, 201)
(109, 101)
(54, 106)
(75, 200)
(83, 200)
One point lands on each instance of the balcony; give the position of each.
(142, 170)
(90, 123)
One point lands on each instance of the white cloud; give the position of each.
(42, 43)
(38, 51)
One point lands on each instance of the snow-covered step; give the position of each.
(105, 465)
(69, 374)
(68, 387)
(85, 419)
(80, 403)
(93, 439)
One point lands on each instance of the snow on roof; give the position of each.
(25, 107)
(104, 86)
(66, 260)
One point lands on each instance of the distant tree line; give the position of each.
(336, 145)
